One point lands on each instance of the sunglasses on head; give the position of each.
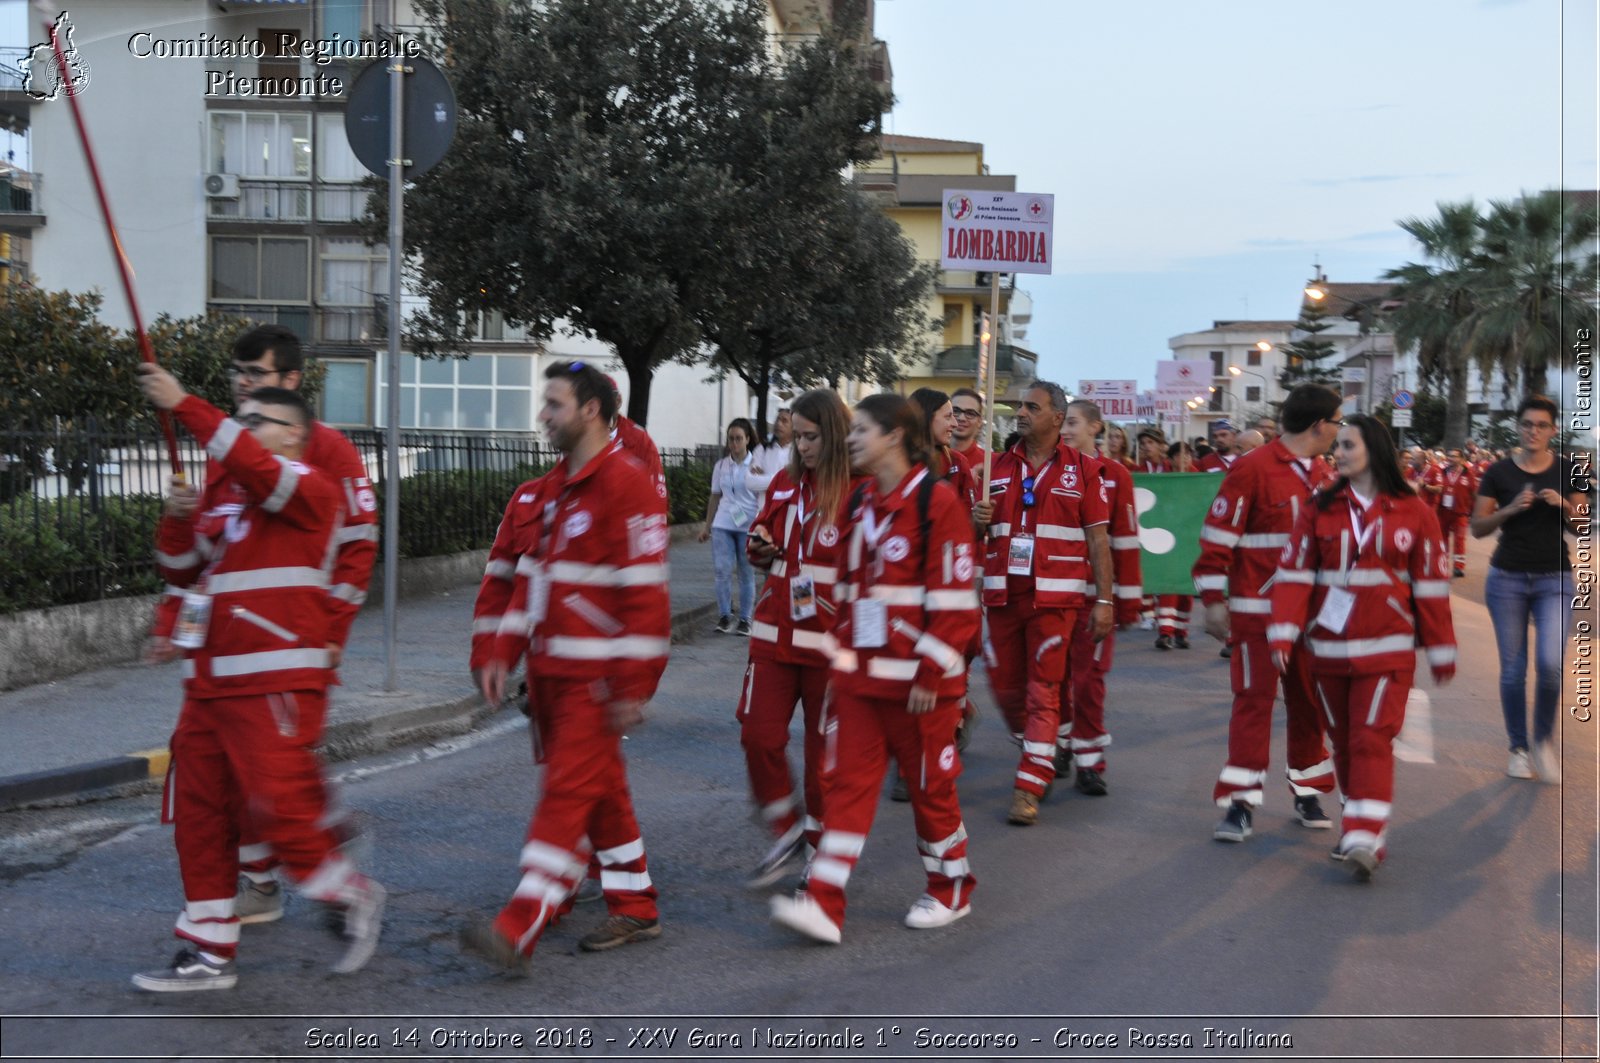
(256, 420)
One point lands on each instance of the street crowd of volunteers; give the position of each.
(887, 571)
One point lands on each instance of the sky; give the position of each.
(1204, 156)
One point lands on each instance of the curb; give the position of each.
(145, 771)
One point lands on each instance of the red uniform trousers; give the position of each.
(1365, 714)
(1083, 698)
(251, 755)
(1027, 666)
(1255, 687)
(1453, 527)
(585, 804)
(766, 706)
(861, 735)
(1172, 613)
(256, 858)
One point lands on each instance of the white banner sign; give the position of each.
(1144, 408)
(1355, 374)
(1179, 381)
(1116, 398)
(1001, 232)
(1400, 419)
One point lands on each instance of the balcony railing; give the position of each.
(963, 360)
(290, 201)
(19, 192)
(354, 325)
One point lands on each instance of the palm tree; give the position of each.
(1440, 303)
(1537, 265)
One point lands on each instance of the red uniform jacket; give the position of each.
(1215, 462)
(962, 475)
(1248, 525)
(1069, 497)
(1400, 580)
(356, 541)
(1458, 489)
(588, 591)
(925, 583)
(1124, 540)
(1143, 465)
(809, 544)
(638, 443)
(263, 552)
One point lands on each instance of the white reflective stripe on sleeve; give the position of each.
(359, 533)
(188, 668)
(1124, 542)
(1297, 575)
(821, 573)
(649, 575)
(941, 653)
(288, 480)
(551, 858)
(349, 592)
(620, 854)
(185, 560)
(896, 595)
(515, 622)
(527, 566)
(780, 568)
(222, 441)
(1061, 586)
(833, 872)
(1360, 577)
(1210, 533)
(937, 601)
(500, 570)
(624, 881)
(1251, 606)
(1282, 632)
(1439, 656)
(1431, 588)
(813, 640)
(841, 843)
(1265, 541)
(1133, 592)
(1367, 809)
(999, 530)
(630, 647)
(1060, 531)
(1235, 776)
(486, 625)
(1341, 649)
(268, 661)
(1211, 583)
(250, 854)
(266, 579)
(994, 583)
(892, 668)
(764, 632)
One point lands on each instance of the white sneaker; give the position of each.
(1547, 762)
(1518, 766)
(802, 913)
(928, 914)
(1147, 624)
(363, 923)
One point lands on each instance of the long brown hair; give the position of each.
(826, 410)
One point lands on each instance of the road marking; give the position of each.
(448, 747)
(1414, 743)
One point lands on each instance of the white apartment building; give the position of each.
(1254, 349)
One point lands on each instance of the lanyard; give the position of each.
(799, 528)
(1038, 485)
(1300, 471)
(1359, 529)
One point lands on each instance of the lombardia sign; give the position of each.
(1000, 232)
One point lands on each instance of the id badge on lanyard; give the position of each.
(1340, 602)
(194, 620)
(802, 587)
(869, 617)
(1019, 559)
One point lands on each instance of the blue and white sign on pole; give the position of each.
(1404, 400)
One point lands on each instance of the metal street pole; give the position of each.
(391, 489)
(994, 365)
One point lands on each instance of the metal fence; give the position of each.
(78, 508)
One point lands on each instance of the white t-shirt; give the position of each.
(740, 487)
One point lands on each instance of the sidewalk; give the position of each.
(106, 731)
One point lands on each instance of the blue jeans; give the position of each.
(727, 551)
(1513, 597)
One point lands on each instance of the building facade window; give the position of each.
(340, 194)
(1252, 394)
(1252, 357)
(352, 290)
(260, 144)
(1219, 363)
(484, 392)
(347, 391)
(272, 269)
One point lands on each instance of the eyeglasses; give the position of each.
(256, 420)
(959, 411)
(1027, 491)
(1536, 426)
(253, 373)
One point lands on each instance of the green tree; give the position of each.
(596, 149)
(1538, 265)
(1306, 359)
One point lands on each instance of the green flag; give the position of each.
(1172, 507)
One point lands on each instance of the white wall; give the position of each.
(146, 119)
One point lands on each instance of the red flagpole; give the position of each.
(145, 349)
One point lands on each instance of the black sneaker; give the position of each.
(1308, 810)
(1090, 782)
(1235, 825)
(780, 860)
(743, 628)
(902, 789)
(725, 624)
(1227, 651)
(1063, 762)
(1181, 641)
(188, 972)
(1163, 642)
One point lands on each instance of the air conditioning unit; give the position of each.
(222, 186)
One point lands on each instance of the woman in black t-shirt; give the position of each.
(1530, 498)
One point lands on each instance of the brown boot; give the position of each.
(1024, 809)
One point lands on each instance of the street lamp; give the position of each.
(1236, 371)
